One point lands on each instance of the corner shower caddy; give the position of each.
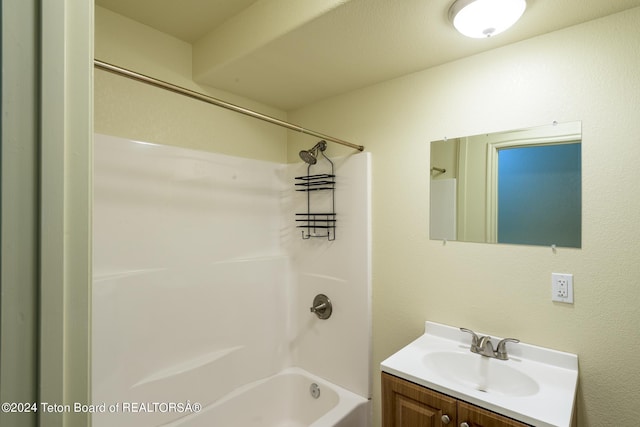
(317, 224)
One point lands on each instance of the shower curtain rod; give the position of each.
(210, 100)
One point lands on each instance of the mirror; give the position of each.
(518, 187)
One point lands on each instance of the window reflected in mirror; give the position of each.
(517, 187)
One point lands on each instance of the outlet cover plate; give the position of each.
(562, 287)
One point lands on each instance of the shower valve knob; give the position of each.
(322, 306)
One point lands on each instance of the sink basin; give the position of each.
(481, 373)
(536, 385)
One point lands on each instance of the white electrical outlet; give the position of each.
(562, 287)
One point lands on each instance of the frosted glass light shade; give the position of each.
(485, 18)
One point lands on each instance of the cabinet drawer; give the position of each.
(478, 417)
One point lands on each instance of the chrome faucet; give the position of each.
(484, 346)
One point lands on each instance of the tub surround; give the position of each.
(202, 284)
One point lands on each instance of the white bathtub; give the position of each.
(283, 400)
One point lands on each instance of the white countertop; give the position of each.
(546, 398)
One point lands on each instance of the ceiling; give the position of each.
(290, 53)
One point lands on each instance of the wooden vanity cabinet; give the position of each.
(405, 404)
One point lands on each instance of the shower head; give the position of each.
(308, 157)
(311, 156)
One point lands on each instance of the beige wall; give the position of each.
(134, 110)
(587, 73)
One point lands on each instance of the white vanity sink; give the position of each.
(535, 385)
(481, 373)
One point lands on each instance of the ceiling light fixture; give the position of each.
(485, 18)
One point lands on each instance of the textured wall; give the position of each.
(588, 73)
(130, 109)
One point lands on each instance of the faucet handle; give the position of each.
(501, 350)
(474, 340)
(322, 306)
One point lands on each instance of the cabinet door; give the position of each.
(405, 404)
(478, 417)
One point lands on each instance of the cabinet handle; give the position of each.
(464, 424)
(445, 419)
